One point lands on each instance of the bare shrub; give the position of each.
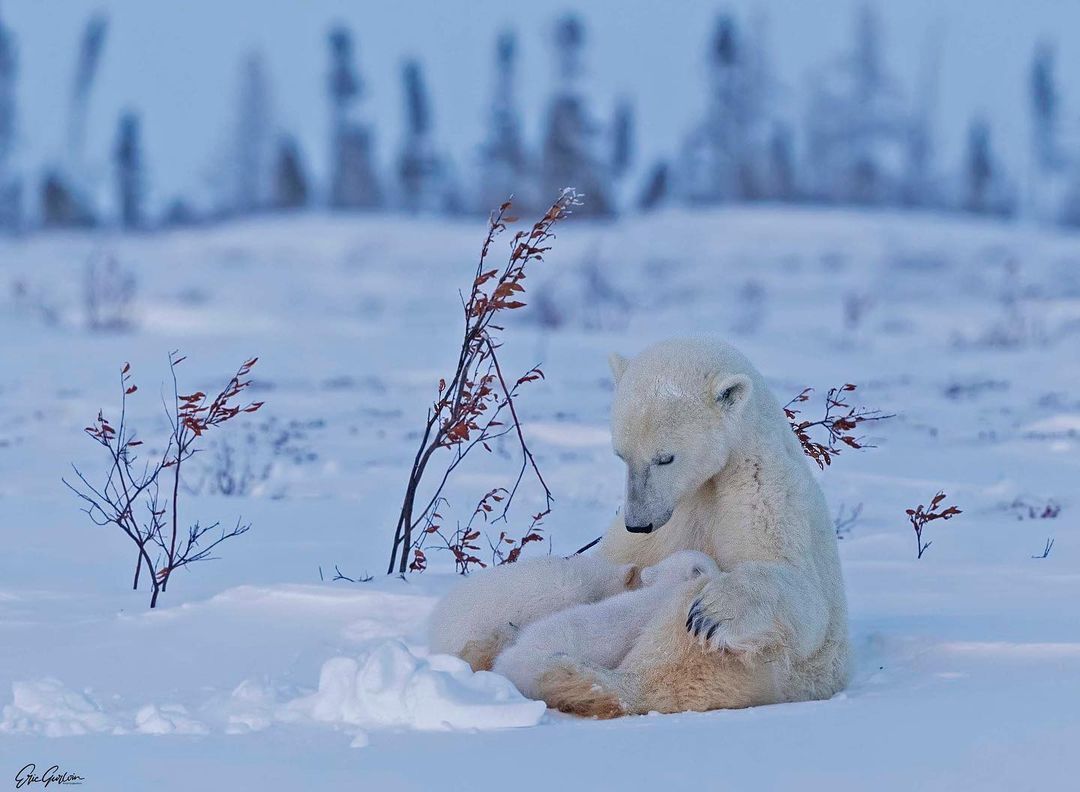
(239, 466)
(108, 295)
(857, 306)
(339, 575)
(921, 515)
(839, 423)
(34, 301)
(1029, 509)
(586, 298)
(846, 520)
(476, 404)
(130, 495)
(1046, 549)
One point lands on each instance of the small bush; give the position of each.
(921, 515)
(839, 423)
(142, 499)
(108, 295)
(474, 406)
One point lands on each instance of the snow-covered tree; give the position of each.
(353, 180)
(87, 66)
(857, 124)
(780, 181)
(657, 187)
(725, 157)
(420, 168)
(986, 189)
(10, 188)
(290, 183)
(622, 139)
(1044, 110)
(571, 155)
(919, 180)
(503, 161)
(1053, 190)
(128, 163)
(62, 207)
(253, 139)
(66, 189)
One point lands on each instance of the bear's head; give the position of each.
(678, 567)
(679, 410)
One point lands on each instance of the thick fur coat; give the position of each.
(599, 633)
(712, 465)
(483, 613)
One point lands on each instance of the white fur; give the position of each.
(772, 626)
(600, 633)
(739, 489)
(502, 599)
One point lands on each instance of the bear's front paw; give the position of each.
(724, 622)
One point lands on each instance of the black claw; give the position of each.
(709, 634)
(689, 620)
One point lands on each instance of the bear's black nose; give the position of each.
(639, 528)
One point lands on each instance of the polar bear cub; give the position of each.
(601, 633)
(471, 622)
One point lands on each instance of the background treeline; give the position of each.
(863, 139)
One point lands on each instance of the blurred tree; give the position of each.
(87, 65)
(10, 187)
(986, 191)
(919, 184)
(353, 180)
(857, 124)
(656, 189)
(622, 156)
(130, 180)
(781, 165)
(290, 183)
(1044, 110)
(420, 169)
(252, 150)
(66, 191)
(570, 155)
(504, 165)
(61, 206)
(725, 157)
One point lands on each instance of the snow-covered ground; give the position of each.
(255, 673)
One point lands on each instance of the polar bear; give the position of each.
(482, 614)
(712, 465)
(599, 633)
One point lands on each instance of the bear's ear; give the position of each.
(699, 570)
(730, 392)
(618, 365)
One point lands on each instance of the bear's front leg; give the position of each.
(758, 606)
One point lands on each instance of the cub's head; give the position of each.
(678, 567)
(675, 418)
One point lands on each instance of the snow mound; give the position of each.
(48, 708)
(167, 719)
(390, 687)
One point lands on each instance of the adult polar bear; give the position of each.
(712, 465)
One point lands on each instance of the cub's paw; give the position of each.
(720, 621)
(480, 654)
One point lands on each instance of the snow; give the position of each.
(390, 687)
(258, 669)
